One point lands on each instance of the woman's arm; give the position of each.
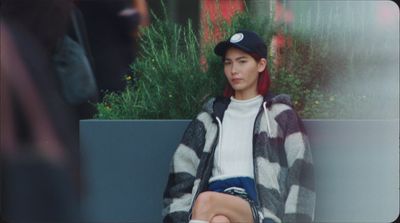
(300, 201)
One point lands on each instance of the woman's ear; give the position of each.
(262, 64)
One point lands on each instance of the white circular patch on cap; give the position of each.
(236, 38)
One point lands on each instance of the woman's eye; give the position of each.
(227, 62)
(242, 61)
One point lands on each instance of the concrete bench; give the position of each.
(125, 168)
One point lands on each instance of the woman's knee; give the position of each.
(203, 204)
(220, 219)
(204, 199)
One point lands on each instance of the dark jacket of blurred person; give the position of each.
(112, 27)
(38, 129)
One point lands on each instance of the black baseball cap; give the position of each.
(245, 40)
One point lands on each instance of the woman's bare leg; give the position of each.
(211, 204)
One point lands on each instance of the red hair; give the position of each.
(263, 82)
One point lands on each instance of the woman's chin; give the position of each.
(237, 87)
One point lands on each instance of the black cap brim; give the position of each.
(221, 48)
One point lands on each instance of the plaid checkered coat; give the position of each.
(283, 168)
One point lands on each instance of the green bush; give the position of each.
(169, 80)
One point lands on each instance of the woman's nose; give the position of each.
(234, 69)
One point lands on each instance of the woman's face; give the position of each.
(241, 71)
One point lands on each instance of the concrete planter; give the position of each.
(125, 168)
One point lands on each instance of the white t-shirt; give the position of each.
(234, 157)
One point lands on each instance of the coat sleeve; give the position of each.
(178, 195)
(300, 200)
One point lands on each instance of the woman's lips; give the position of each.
(236, 80)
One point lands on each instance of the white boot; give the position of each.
(198, 221)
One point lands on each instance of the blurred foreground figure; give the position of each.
(38, 141)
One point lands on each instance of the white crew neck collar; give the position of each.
(256, 98)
